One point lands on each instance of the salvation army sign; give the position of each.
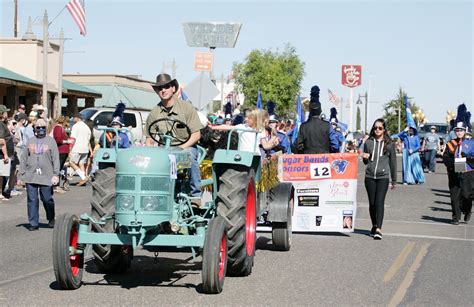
(351, 75)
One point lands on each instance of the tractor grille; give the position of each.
(126, 183)
(155, 184)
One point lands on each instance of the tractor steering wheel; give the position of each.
(160, 136)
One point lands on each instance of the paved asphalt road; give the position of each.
(422, 260)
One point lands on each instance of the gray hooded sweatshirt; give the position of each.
(39, 153)
(380, 165)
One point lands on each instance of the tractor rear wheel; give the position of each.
(214, 258)
(68, 265)
(236, 203)
(108, 258)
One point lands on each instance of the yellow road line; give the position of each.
(410, 275)
(399, 261)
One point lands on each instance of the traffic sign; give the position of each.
(203, 61)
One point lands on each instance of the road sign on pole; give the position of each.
(203, 61)
(351, 77)
(211, 34)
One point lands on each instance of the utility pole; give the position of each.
(45, 59)
(366, 103)
(15, 19)
(57, 111)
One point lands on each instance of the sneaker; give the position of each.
(15, 193)
(51, 224)
(378, 235)
(455, 222)
(32, 228)
(66, 186)
(59, 190)
(83, 182)
(467, 217)
(372, 231)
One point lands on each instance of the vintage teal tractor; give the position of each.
(144, 201)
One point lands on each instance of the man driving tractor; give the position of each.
(178, 119)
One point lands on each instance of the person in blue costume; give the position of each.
(117, 123)
(412, 169)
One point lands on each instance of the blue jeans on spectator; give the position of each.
(430, 159)
(46, 194)
(195, 174)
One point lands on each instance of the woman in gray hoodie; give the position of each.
(381, 160)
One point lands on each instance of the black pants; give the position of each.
(62, 160)
(458, 202)
(376, 190)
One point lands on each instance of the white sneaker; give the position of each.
(15, 193)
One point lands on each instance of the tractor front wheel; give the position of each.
(214, 261)
(108, 258)
(282, 231)
(67, 262)
(236, 203)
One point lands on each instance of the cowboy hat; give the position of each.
(163, 79)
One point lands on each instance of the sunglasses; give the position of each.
(378, 128)
(164, 87)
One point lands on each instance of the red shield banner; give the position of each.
(351, 75)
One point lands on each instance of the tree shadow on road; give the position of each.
(436, 219)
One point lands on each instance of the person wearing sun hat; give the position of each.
(173, 108)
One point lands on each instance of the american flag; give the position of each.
(78, 13)
(333, 98)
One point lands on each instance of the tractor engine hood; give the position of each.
(152, 160)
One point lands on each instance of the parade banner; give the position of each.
(325, 191)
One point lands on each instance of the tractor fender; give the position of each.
(279, 200)
(224, 159)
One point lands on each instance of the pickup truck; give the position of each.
(133, 118)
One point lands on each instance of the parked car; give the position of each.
(102, 117)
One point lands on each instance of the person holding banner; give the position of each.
(380, 157)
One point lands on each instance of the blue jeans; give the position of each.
(195, 174)
(430, 159)
(46, 194)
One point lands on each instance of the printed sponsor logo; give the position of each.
(339, 166)
(304, 191)
(337, 189)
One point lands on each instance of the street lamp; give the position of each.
(366, 103)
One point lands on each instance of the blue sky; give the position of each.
(424, 46)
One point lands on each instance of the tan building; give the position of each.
(21, 76)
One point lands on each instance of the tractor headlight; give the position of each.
(126, 202)
(154, 203)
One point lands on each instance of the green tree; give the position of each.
(358, 119)
(392, 108)
(277, 74)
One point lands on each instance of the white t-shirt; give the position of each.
(247, 139)
(82, 134)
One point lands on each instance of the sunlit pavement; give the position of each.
(422, 260)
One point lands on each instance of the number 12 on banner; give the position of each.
(320, 170)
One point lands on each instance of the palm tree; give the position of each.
(391, 110)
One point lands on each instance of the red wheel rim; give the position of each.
(74, 259)
(222, 256)
(250, 219)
